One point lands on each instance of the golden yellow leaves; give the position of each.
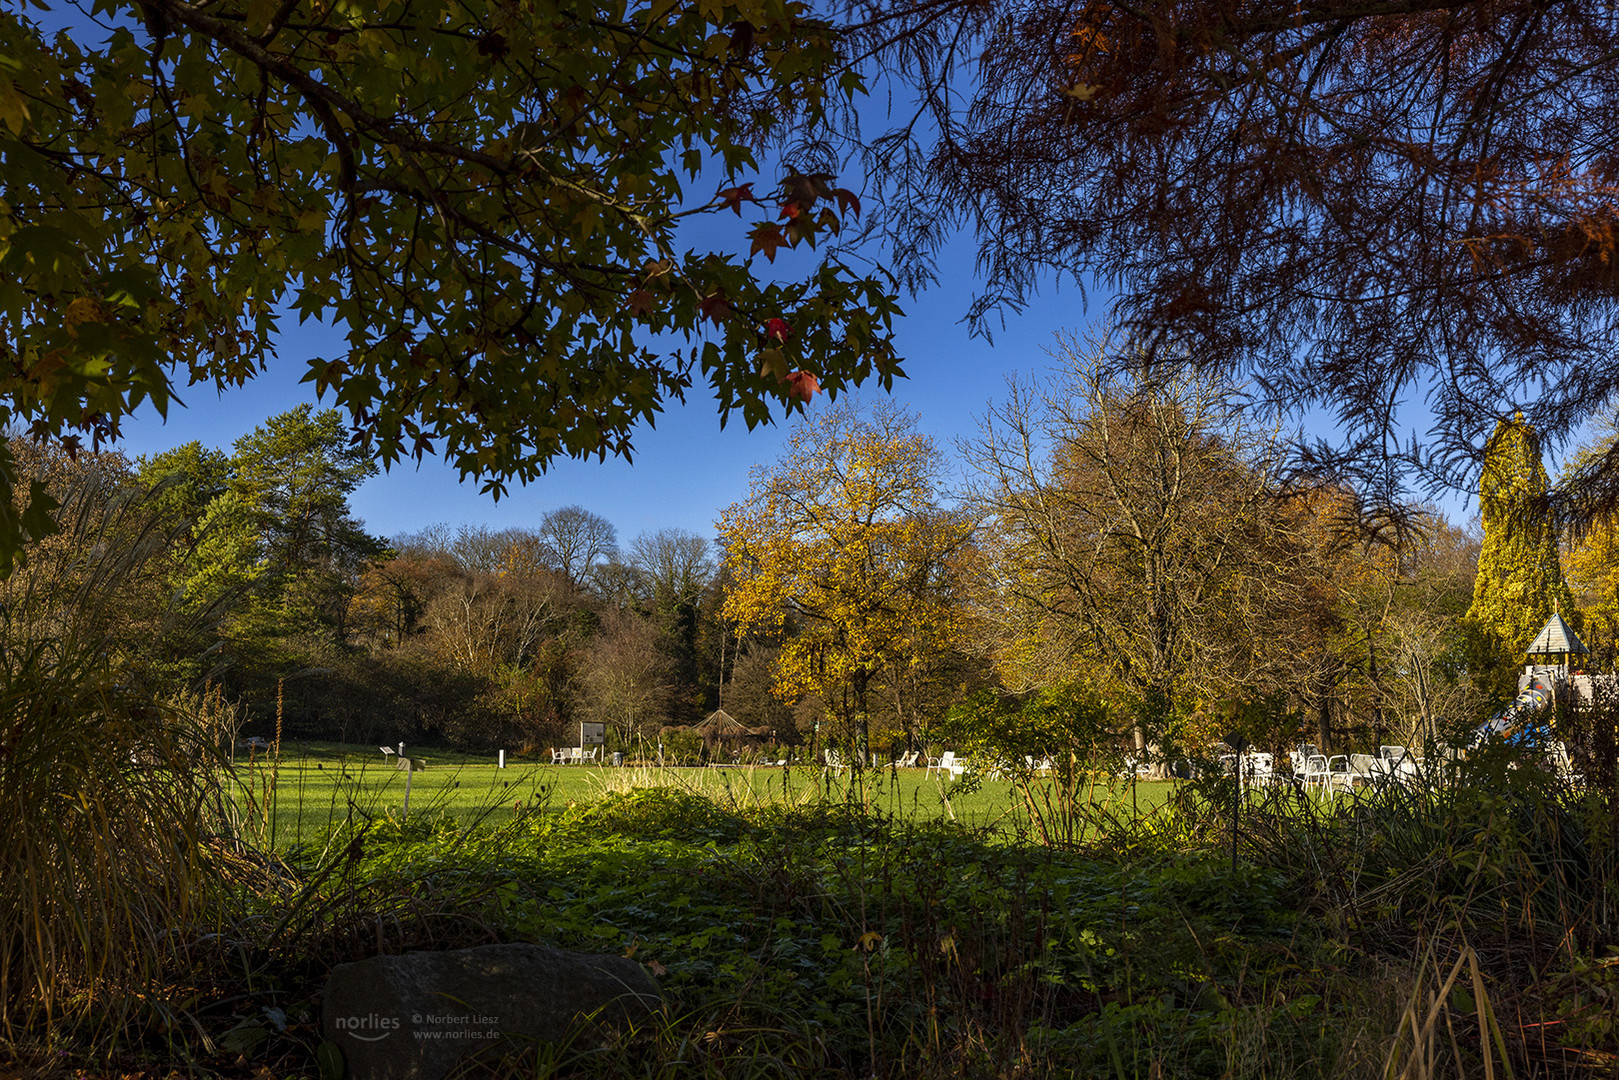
(846, 536)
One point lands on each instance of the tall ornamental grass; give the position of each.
(105, 790)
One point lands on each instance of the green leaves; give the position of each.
(484, 197)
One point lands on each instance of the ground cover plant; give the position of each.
(835, 930)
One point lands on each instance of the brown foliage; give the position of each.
(1359, 203)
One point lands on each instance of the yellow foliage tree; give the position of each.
(1136, 542)
(845, 545)
(1591, 563)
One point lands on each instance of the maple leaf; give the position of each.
(804, 189)
(772, 365)
(869, 941)
(790, 210)
(802, 385)
(766, 238)
(656, 968)
(735, 197)
(1081, 91)
(640, 302)
(714, 306)
(847, 201)
(778, 330)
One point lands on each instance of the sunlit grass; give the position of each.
(318, 785)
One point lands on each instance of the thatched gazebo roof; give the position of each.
(721, 726)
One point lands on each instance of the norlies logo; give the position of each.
(368, 1028)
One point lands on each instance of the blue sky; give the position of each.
(686, 469)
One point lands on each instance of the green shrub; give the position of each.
(666, 813)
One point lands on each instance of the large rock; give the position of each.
(410, 1017)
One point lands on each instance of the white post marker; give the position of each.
(503, 759)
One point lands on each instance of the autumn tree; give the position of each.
(518, 634)
(1131, 534)
(1375, 649)
(625, 677)
(1360, 204)
(1591, 561)
(1520, 575)
(487, 198)
(848, 537)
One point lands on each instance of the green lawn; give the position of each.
(315, 784)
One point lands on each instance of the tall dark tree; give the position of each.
(294, 475)
(1359, 203)
(676, 568)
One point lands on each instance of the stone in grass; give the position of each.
(411, 1017)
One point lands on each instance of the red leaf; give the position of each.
(714, 306)
(802, 385)
(778, 330)
(735, 197)
(847, 200)
(766, 238)
(640, 302)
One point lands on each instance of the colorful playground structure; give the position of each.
(1552, 677)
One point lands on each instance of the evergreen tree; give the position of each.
(1520, 578)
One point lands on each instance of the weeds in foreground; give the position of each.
(822, 930)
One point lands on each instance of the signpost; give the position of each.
(591, 735)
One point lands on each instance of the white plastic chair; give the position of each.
(1367, 769)
(1258, 767)
(945, 763)
(1316, 772)
(1340, 775)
